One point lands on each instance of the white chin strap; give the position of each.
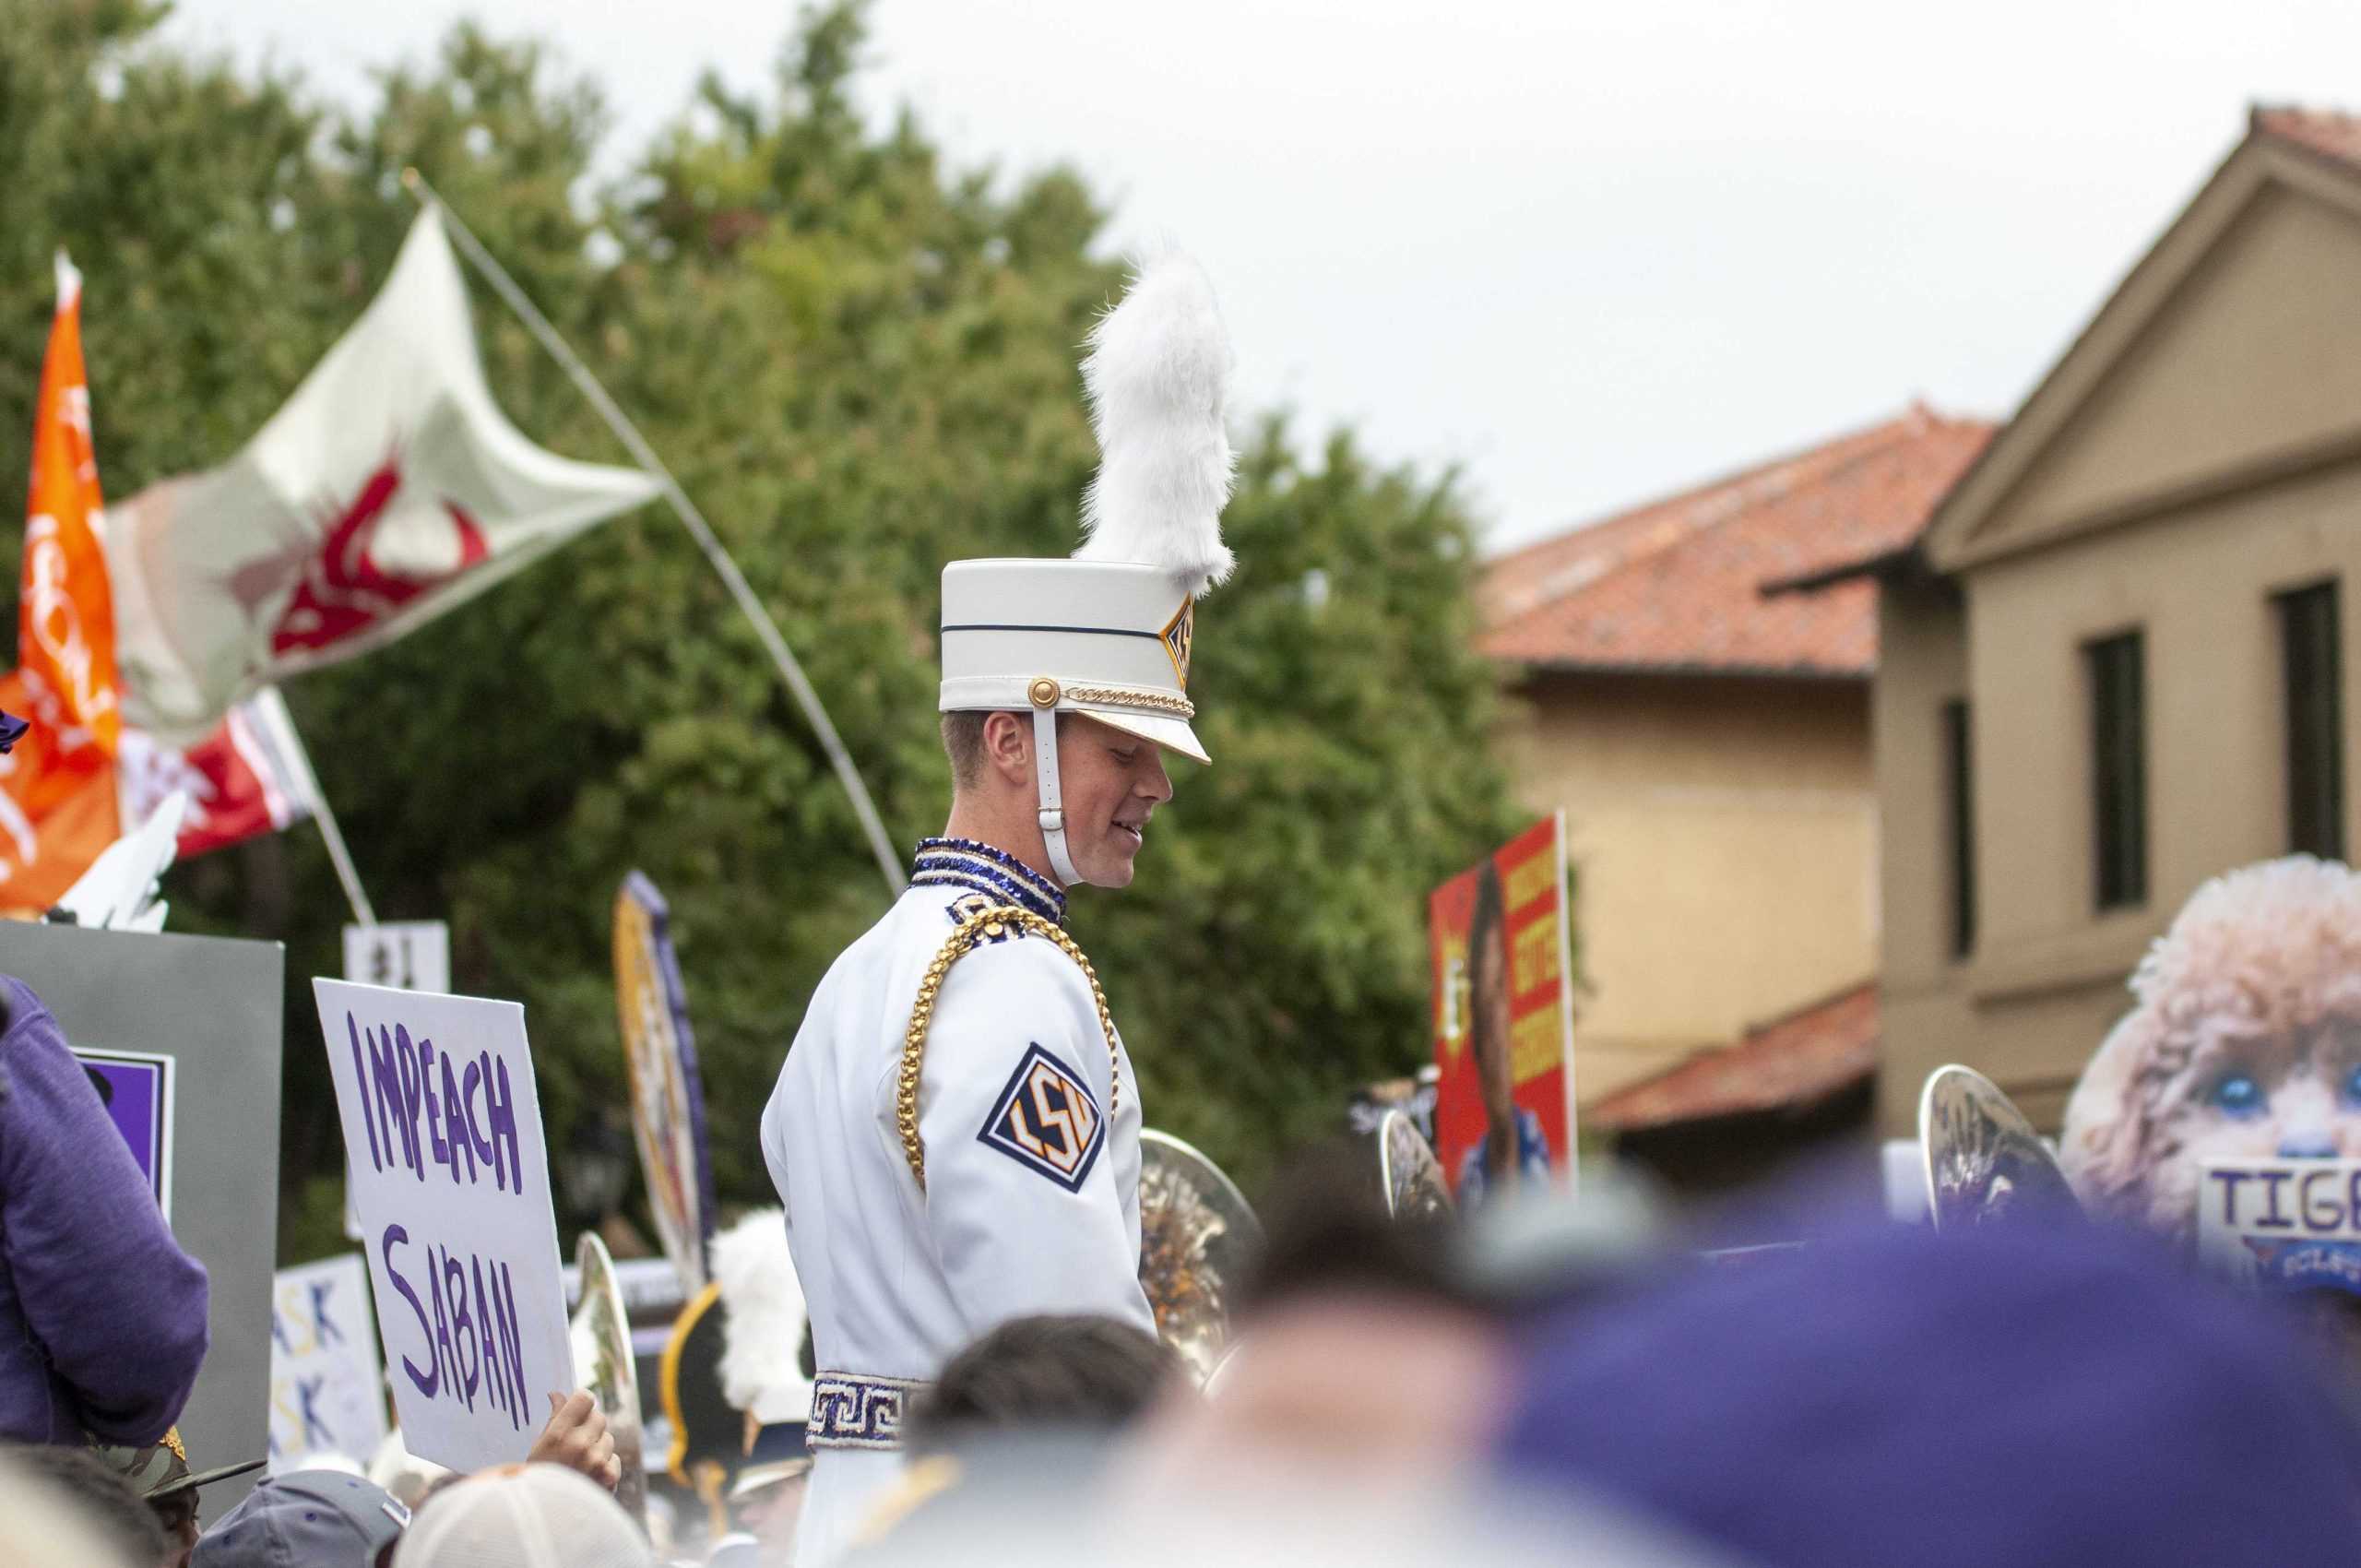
(1053, 817)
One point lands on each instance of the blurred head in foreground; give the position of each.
(1081, 1374)
(2007, 1395)
(1274, 1513)
(42, 1524)
(1028, 1411)
(524, 1516)
(1354, 1346)
(102, 1501)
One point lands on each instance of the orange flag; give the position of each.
(66, 612)
(57, 788)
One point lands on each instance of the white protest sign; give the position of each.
(326, 1394)
(2281, 1223)
(406, 954)
(450, 1178)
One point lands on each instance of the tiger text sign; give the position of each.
(2279, 1224)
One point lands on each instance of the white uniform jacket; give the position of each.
(1031, 1202)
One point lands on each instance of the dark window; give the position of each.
(1959, 786)
(2118, 771)
(2308, 650)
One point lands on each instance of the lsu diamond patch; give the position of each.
(1047, 1121)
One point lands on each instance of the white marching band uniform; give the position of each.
(1018, 1193)
(898, 1279)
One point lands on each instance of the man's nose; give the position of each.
(1156, 784)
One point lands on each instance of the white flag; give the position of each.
(389, 489)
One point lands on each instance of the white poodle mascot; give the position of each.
(2245, 1042)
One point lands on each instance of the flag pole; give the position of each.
(789, 670)
(342, 857)
(299, 762)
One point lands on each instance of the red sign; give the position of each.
(1499, 940)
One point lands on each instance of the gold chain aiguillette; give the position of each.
(983, 925)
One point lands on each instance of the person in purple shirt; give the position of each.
(101, 1315)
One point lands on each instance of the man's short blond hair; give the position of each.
(963, 743)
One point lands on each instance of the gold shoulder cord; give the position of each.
(975, 929)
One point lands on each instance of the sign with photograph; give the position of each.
(138, 1089)
(327, 1393)
(1500, 941)
(450, 1179)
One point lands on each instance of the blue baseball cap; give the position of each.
(305, 1519)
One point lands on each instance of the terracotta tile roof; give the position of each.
(1677, 585)
(1790, 1063)
(2327, 131)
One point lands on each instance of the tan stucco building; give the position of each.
(1711, 745)
(2113, 665)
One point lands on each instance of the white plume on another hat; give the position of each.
(1159, 381)
(762, 1365)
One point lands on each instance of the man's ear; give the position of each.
(1008, 747)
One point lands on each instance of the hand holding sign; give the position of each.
(578, 1438)
(450, 1181)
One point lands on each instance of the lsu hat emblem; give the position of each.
(1047, 1121)
(1179, 633)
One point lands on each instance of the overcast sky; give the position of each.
(1588, 252)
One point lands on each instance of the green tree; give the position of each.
(863, 364)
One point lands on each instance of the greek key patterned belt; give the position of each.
(855, 1411)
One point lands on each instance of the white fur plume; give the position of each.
(762, 1339)
(1157, 377)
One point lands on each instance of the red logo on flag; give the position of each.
(345, 590)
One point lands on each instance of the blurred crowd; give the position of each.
(1544, 1381)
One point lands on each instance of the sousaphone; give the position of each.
(602, 1363)
(1197, 1235)
(1985, 1163)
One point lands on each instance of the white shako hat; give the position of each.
(1108, 632)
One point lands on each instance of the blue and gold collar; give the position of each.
(964, 863)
